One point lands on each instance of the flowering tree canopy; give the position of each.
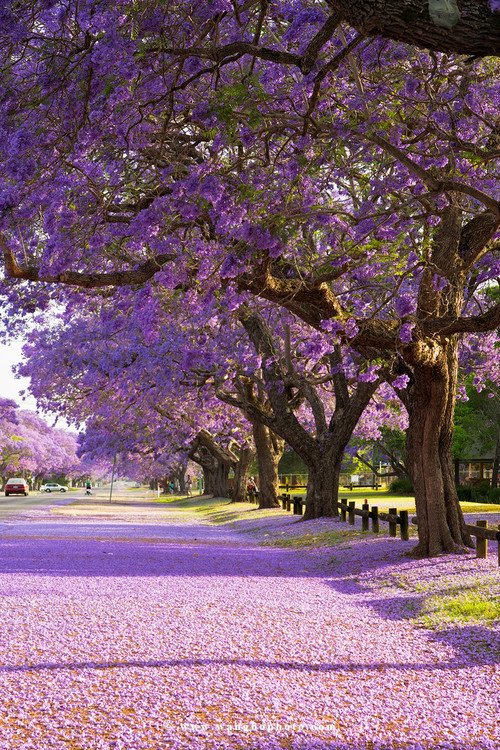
(28, 446)
(268, 149)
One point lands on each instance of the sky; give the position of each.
(10, 386)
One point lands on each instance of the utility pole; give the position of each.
(112, 477)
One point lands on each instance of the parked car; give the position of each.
(16, 486)
(53, 487)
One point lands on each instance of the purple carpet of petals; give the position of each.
(184, 634)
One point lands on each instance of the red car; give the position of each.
(16, 487)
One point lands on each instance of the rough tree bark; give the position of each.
(241, 471)
(431, 405)
(215, 461)
(468, 27)
(431, 394)
(269, 447)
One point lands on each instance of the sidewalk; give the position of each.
(142, 626)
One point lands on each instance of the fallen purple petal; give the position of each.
(121, 631)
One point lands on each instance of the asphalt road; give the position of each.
(15, 504)
(18, 504)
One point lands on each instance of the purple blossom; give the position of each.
(192, 185)
(212, 189)
(8, 198)
(401, 381)
(404, 305)
(439, 283)
(351, 328)
(230, 267)
(405, 333)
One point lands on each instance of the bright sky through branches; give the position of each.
(10, 386)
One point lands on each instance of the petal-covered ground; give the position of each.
(154, 626)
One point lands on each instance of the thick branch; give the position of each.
(138, 275)
(238, 48)
(318, 41)
(488, 321)
(475, 32)
(205, 440)
(476, 235)
(312, 303)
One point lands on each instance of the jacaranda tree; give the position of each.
(269, 149)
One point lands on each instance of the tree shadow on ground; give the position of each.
(155, 557)
(474, 646)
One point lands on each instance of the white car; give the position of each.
(53, 487)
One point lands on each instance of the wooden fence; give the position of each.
(482, 534)
(347, 511)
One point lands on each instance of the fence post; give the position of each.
(482, 544)
(343, 512)
(375, 521)
(405, 527)
(288, 502)
(365, 520)
(393, 526)
(283, 502)
(352, 515)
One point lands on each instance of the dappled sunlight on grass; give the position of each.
(316, 539)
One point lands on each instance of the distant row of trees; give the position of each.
(31, 448)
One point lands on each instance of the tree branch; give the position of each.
(138, 275)
(318, 41)
(477, 31)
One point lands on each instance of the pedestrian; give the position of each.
(88, 488)
(251, 489)
(251, 485)
(171, 488)
(189, 485)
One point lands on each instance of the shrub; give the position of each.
(401, 486)
(494, 495)
(464, 494)
(480, 494)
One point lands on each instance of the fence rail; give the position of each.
(346, 510)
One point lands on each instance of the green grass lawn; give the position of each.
(384, 500)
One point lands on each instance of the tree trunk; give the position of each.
(496, 464)
(215, 462)
(323, 483)
(269, 447)
(219, 480)
(207, 481)
(216, 474)
(321, 450)
(431, 407)
(241, 472)
(179, 473)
